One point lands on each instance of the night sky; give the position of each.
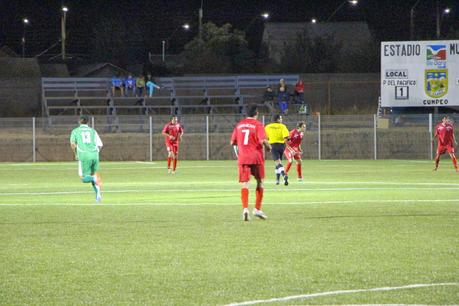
(157, 20)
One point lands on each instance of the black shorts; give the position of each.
(277, 150)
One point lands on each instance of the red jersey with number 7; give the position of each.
(248, 135)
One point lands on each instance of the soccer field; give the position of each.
(353, 232)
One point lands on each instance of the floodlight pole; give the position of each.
(412, 20)
(25, 22)
(200, 20)
(438, 20)
(63, 34)
(23, 41)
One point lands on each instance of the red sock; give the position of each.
(258, 197)
(169, 162)
(175, 163)
(245, 197)
(298, 170)
(454, 162)
(289, 164)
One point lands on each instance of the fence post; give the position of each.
(430, 136)
(318, 136)
(263, 119)
(34, 154)
(375, 141)
(92, 122)
(150, 123)
(207, 137)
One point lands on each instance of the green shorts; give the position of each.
(88, 167)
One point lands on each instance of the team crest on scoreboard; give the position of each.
(436, 56)
(436, 82)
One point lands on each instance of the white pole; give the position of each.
(92, 122)
(34, 154)
(207, 137)
(430, 136)
(375, 125)
(263, 119)
(151, 138)
(318, 136)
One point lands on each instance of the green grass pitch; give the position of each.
(160, 239)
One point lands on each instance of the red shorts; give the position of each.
(172, 147)
(294, 154)
(257, 170)
(445, 148)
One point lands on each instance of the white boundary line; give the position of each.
(6, 194)
(226, 204)
(328, 293)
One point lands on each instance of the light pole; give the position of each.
(63, 34)
(25, 22)
(445, 11)
(412, 20)
(185, 27)
(264, 16)
(200, 20)
(351, 2)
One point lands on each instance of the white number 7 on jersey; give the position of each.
(246, 136)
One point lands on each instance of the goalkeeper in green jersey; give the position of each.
(86, 144)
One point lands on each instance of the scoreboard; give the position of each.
(420, 73)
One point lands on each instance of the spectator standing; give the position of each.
(130, 84)
(299, 92)
(151, 87)
(117, 84)
(140, 85)
(268, 99)
(283, 97)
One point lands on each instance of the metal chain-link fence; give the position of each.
(207, 137)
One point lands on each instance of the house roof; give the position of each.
(91, 69)
(6, 51)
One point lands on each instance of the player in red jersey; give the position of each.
(293, 151)
(249, 138)
(444, 132)
(173, 133)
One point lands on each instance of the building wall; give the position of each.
(19, 87)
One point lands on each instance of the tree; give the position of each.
(221, 50)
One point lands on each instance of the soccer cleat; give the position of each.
(277, 182)
(260, 214)
(286, 180)
(173, 172)
(169, 171)
(300, 179)
(245, 215)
